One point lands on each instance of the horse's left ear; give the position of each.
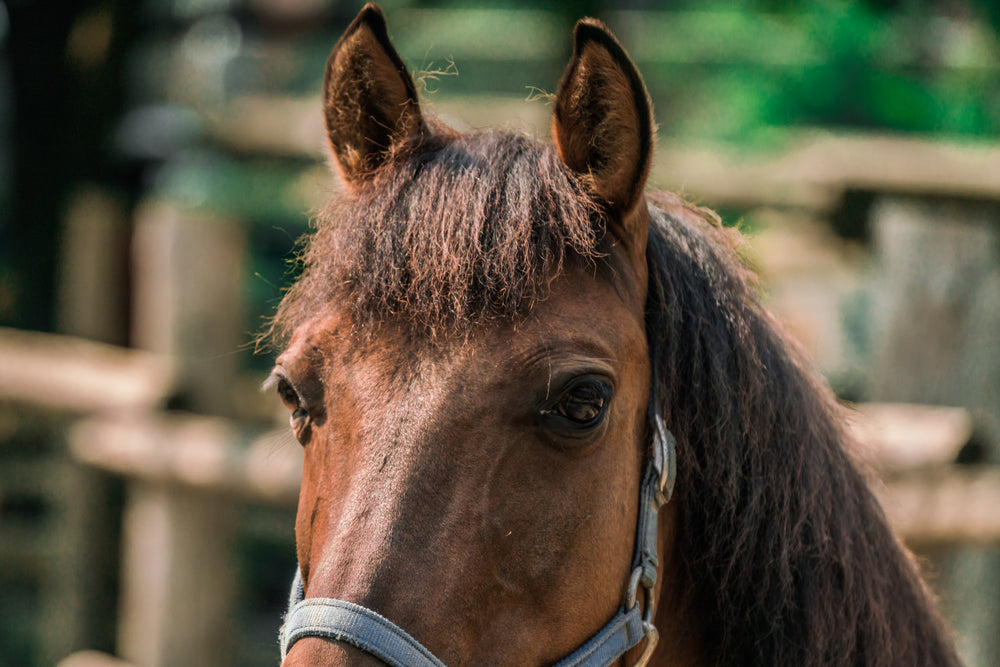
(603, 122)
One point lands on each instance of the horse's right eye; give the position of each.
(299, 420)
(289, 397)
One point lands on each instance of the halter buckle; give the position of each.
(664, 460)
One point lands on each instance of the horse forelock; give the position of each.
(455, 230)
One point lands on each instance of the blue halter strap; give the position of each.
(366, 630)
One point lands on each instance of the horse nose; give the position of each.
(313, 651)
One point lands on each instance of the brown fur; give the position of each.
(588, 123)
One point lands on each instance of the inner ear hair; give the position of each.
(369, 98)
(603, 123)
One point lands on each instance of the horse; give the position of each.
(546, 418)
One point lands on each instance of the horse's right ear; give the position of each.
(369, 99)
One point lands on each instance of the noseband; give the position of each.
(364, 629)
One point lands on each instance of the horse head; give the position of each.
(471, 392)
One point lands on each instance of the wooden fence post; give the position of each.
(939, 343)
(939, 304)
(177, 579)
(187, 301)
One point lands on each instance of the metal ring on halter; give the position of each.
(633, 587)
(649, 630)
(652, 634)
(652, 638)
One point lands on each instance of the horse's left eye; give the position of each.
(582, 405)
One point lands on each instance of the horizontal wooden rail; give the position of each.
(203, 453)
(946, 506)
(927, 498)
(68, 374)
(809, 169)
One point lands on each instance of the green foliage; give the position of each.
(739, 70)
(735, 71)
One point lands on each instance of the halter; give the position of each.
(364, 629)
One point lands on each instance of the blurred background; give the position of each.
(159, 159)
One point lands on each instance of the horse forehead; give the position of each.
(595, 306)
(585, 313)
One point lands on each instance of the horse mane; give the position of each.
(454, 230)
(787, 554)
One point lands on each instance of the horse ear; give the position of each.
(603, 122)
(369, 100)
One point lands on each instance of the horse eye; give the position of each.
(582, 406)
(289, 397)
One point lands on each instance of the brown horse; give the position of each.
(487, 337)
